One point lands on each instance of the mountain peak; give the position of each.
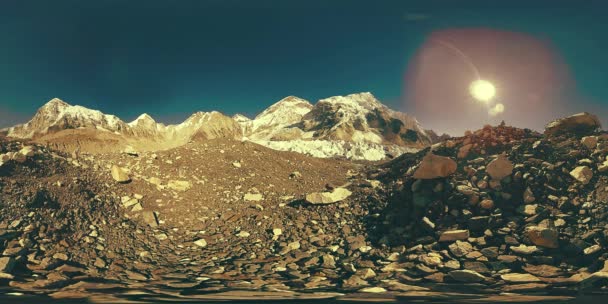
(364, 99)
(55, 104)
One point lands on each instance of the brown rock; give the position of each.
(453, 235)
(120, 174)
(544, 237)
(582, 174)
(434, 166)
(500, 168)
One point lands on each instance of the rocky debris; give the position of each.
(582, 174)
(120, 174)
(533, 230)
(324, 198)
(434, 166)
(581, 123)
(511, 213)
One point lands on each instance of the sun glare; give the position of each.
(482, 90)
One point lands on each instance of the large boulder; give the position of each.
(324, 198)
(120, 174)
(544, 237)
(500, 168)
(435, 166)
(179, 185)
(581, 123)
(582, 174)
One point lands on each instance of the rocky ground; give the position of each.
(502, 213)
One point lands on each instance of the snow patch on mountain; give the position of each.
(338, 148)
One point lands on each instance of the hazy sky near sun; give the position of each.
(171, 58)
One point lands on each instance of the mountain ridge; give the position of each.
(356, 118)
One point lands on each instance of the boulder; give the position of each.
(519, 278)
(467, 276)
(434, 166)
(544, 237)
(253, 197)
(324, 198)
(27, 151)
(6, 264)
(589, 141)
(179, 185)
(201, 243)
(582, 174)
(581, 123)
(500, 167)
(120, 174)
(150, 218)
(454, 235)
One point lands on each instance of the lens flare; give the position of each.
(482, 90)
(497, 109)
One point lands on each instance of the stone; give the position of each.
(329, 262)
(324, 198)
(150, 218)
(99, 263)
(593, 249)
(466, 276)
(6, 264)
(519, 278)
(277, 231)
(603, 167)
(544, 237)
(460, 248)
(253, 197)
(582, 174)
(179, 185)
(581, 123)
(453, 235)
(545, 271)
(60, 256)
(434, 166)
(243, 234)
(500, 167)
(120, 174)
(135, 276)
(487, 204)
(27, 151)
(372, 290)
(589, 141)
(523, 249)
(201, 243)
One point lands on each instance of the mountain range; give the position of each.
(334, 126)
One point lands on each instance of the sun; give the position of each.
(482, 90)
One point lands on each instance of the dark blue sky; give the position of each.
(171, 58)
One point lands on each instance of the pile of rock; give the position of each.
(503, 205)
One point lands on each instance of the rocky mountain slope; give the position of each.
(356, 126)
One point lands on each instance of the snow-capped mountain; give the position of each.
(352, 118)
(356, 126)
(277, 120)
(57, 115)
